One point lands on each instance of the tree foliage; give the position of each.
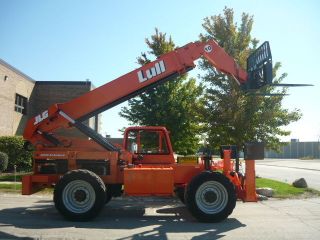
(173, 104)
(13, 147)
(3, 161)
(232, 116)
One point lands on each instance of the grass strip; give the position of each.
(9, 177)
(285, 190)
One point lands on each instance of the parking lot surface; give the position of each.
(34, 217)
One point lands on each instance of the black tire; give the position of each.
(113, 190)
(108, 195)
(79, 195)
(210, 197)
(180, 194)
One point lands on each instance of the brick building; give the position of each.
(21, 98)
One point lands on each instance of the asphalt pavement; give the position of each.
(34, 217)
(288, 170)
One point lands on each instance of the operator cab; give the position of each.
(149, 145)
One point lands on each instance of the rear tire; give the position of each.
(108, 196)
(79, 195)
(180, 192)
(113, 190)
(210, 197)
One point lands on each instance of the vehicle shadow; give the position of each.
(6, 236)
(158, 217)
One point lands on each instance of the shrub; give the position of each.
(3, 161)
(13, 147)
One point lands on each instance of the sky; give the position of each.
(67, 40)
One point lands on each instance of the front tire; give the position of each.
(79, 195)
(210, 197)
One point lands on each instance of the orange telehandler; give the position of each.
(87, 173)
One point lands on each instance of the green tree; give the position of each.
(3, 161)
(173, 104)
(232, 116)
(13, 147)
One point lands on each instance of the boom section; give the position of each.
(167, 66)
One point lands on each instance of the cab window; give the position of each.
(147, 142)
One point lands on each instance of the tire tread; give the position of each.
(191, 191)
(97, 184)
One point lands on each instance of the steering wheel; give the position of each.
(140, 157)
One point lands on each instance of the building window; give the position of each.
(21, 104)
(5, 78)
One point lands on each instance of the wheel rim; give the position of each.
(78, 196)
(211, 197)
